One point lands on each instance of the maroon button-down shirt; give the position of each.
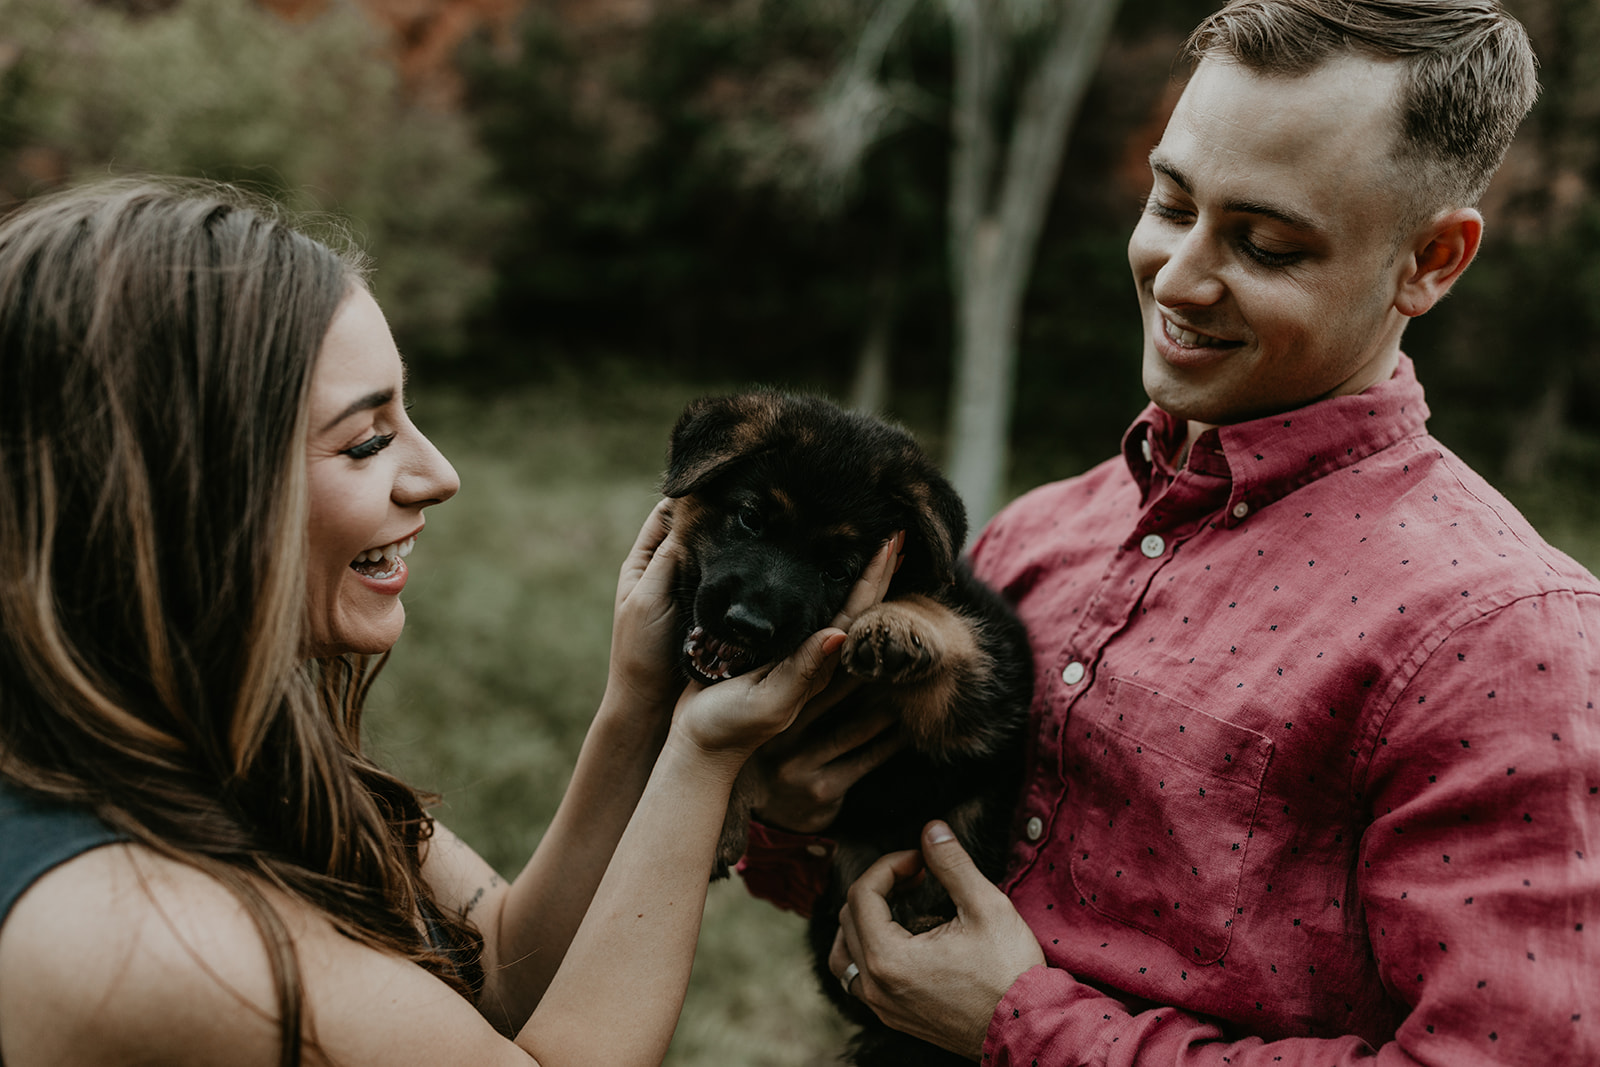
(1315, 773)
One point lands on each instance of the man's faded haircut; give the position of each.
(1469, 75)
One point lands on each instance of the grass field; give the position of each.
(487, 696)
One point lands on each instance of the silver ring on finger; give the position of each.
(851, 973)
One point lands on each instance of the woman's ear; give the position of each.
(1438, 255)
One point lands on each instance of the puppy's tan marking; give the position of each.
(938, 546)
(687, 515)
(931, 655)
(907, 639)
(844, 531)
(785, 503)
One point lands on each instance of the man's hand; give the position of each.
(941, 986)
(805, 771)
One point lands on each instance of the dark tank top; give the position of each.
(36, 835)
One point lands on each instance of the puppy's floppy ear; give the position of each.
(937, 533)
(711, 435)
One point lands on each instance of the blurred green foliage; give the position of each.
(657, 221)
(670, 220)
(310, 112)
(637, 192)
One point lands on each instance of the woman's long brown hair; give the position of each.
(157, 343)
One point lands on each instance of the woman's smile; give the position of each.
(385, 568)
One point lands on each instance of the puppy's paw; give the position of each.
(885, 644)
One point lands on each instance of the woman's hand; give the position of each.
(941, 986)
(804, 772)
(754, 705)
(643, 675)
(735, 716)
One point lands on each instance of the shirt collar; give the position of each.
(1271, 457)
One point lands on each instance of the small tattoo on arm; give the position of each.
(478, 895)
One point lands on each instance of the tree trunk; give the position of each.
(870, 391)
(996, 218)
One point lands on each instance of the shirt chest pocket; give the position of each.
(1165, 796)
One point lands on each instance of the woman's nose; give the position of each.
(428, 478)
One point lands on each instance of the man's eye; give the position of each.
(1165, 211)
(370, 447)
(1266, 258)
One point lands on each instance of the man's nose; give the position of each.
(1191, 275)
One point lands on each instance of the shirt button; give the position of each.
(1241, 509)
(817, 850)
(1144, 447)
(1035, 828)
(1152, 546)
(1072, 674)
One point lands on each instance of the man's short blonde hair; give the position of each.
(1469, 75)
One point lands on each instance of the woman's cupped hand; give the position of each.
(644, 671)
(741, 713)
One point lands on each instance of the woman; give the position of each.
(210, 485)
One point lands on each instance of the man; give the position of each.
(1315, 771)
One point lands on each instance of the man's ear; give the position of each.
(1438, 255)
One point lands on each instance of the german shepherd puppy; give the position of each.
(781, 501)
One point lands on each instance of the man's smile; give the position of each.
(1190, 338)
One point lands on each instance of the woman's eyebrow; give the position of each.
(366, 403)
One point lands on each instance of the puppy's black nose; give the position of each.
(748, 624)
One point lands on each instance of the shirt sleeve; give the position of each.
(1048, 1018)
(1477, 874)
(1478, 870)
(786, 869)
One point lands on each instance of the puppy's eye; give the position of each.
(840, 570)
(751, 519)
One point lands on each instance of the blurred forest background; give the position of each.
(585, 212)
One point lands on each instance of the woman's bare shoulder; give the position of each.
(120, 950)
(122, 955)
